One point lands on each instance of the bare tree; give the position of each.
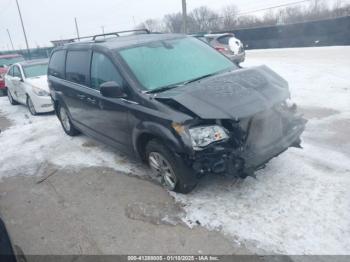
(270, 18)
(173, 22)
(229, 16)
(292, 14)
(204, 19)
(248, 21)
(154, 25)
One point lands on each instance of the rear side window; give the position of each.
(56, 66)
(77, 67)
(224, 39)
(103, 70)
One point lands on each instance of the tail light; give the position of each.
(221, 49)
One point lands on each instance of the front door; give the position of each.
(18, 85)
(104, 118)
(14, 80)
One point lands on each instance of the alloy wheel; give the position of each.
(162, 168)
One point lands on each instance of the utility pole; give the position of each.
(103, 31)
(8, 32)
(184, 17)
(24, 31)
(77, 28)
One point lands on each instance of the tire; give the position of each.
(30, 106)
(11, 99)
(175, 175)
(66, 123)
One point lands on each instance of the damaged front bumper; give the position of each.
(244, 161)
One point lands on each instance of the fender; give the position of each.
(169, 137)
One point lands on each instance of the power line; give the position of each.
(263, 9)
(273, 7)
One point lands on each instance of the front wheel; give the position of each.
(67, 125)
(174, 174)
(31, 107)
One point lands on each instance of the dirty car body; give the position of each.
(180, 101)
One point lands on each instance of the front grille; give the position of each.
(265, 129)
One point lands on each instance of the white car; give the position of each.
(26, 84)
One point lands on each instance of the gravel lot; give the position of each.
(76, 196)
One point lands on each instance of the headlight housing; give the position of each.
(39, 92)
(205, 135)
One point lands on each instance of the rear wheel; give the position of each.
(172, 171)
(31, 107)
(67, 125)
(11, 99)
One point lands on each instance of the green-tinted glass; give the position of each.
(35, 70)
(170, 62)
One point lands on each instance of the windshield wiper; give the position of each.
(162, 89)
(198, 78)
(166, 88)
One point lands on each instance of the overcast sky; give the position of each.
(47, 20)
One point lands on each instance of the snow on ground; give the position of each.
(300, 204)
(35, 140)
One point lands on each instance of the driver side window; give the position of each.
(103, 70)
(17, 72)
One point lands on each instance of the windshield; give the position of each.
(35, 70)
(9, 61)
(171, 62)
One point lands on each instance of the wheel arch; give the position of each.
(150, 131)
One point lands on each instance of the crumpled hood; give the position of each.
(40, 82)
(236, 94)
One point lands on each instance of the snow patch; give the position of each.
(32, 141)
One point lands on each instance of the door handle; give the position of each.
(91, 100)
(81, 97)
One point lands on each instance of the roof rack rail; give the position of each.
(117, 34)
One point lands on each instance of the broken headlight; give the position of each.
(205, 135)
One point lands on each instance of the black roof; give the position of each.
(125, 41)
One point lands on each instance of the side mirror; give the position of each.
(112, 90)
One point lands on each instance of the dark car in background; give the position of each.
(5, 62)
(187, 117)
